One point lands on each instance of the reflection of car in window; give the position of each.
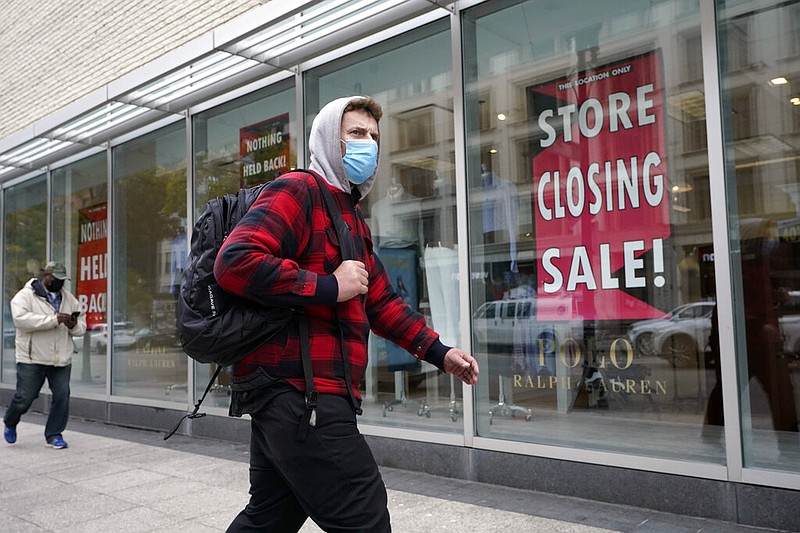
(679, 337)
(684, 332)
(148, 339)
(686, 335)
(499, 322)
(98, 337)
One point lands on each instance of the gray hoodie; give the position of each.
(325, 146)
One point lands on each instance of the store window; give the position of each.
(763, 168)
(80, 240)
(149, 216)
(24, 252)
(411, 212)
(242, 143)
(591, 247)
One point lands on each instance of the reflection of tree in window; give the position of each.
(156, 202)
(25, 234)
(219, 173)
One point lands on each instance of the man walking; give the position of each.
(284, 252)
(46, 317)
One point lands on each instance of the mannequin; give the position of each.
(500, 213)
(500, 220)
(441, 265)
(441, 275)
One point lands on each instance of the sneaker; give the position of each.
(10, 435)
(57, 443)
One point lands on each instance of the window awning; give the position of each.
(275, 37)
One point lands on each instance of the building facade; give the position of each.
(598, 199)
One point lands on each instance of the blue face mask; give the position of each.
(360, 159)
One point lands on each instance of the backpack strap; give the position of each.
(348, 252)
(347, 247)
(195, 414)
(343, 235)
(310, 415)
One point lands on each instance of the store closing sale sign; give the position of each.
(601, 198)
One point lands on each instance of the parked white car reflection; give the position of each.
(685, 328)
(512, 327)
(148, 339)
(98, 337)
(685, 332)
(684, 336)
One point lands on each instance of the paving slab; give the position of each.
(131, 481)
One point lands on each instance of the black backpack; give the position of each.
(216, 326)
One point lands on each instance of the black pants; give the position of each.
(331, 476)
(30, 379)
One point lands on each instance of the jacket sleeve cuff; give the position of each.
(435, 354)
(327, 289)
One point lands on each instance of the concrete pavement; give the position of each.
(128, 480)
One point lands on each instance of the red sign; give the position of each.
(600, 189)
(265, 150)
(91, 287)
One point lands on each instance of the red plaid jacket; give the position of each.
(284, 252)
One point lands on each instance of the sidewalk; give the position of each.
(125, 480)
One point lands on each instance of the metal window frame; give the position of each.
(462, 215)
(732, 372)
(719, 227)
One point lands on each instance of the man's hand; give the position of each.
(352, 278)
(461, 365)
(67, 320)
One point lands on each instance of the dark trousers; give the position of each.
(330, 476)
(30, 379)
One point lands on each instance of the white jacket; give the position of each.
(40, 338)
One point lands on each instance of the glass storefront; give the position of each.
(149, 191)
(587, 257)
(24, 252)
(240, 144)
(761, 107)
(592, 275)
(411, 212)
(80, 241)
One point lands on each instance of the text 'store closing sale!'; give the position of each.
(601, 197)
